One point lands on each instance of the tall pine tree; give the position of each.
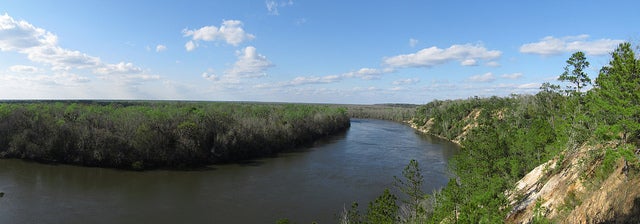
(575, 74)
(618, 93)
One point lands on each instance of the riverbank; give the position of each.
(317, 181)
(536, 167)
(425, 130)
(147, 135)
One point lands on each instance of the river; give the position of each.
(311, 184)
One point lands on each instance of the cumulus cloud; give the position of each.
(553, 46)
(160, 48)
(20, 35)
(250, 64)
(429, 57)
(406, 81)
(230, 31)
(210, 75)
(512, 76)
(469, 62)
(272, 6)
(42, 46)
(486, 77)
(61, 59)
(190, 46)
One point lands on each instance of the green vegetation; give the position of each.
(390, 112)
(504, 138)
(411, 186)
(384, 208)
(144, 135)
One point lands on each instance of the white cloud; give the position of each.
(486, 77)
(230, 31)
(397, 88)
(406, 81)
(120, 68)
(512, 75)
(433, 56)
(272, 6)
(250, 64)
(61, 59)
(315, 80)
(493, 64)
(210, 75)
(23, 69)
(303, 80)
(547, 46)
(190, 46)
(141, 77)
(41, 46)
(58, 79)
(552, 46)
(529, 86)
(160, 48)
(469, 62)
(413, 42)
(364, 73)
(20, 35)
(368, 89)
(596, 47)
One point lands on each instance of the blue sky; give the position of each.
(300, 51)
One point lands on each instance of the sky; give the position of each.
(350, 52)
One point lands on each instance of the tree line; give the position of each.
(508, 136)
(145, 135)
(390, 112)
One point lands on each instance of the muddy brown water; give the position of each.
(311, 184)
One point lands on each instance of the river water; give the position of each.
(311, 184)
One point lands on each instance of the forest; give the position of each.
(503, 138)
(148, 134)
(390, 112)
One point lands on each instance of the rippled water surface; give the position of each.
(312, 184)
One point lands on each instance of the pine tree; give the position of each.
(618, 93)
(575, 74)
(411, 185)
(383, 210)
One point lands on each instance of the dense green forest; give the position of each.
(144, 135)
(503, 138)
(390, 112)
